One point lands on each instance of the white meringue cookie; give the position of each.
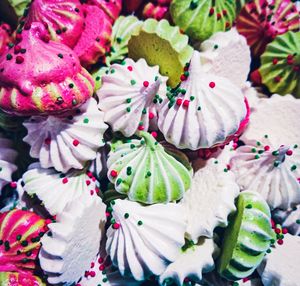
(210, 199)
(73, 242)
(204, 113)
(7, 161)
(281, 266)
(147, 238)
(289, 219)
(191, 263)
(277, 117)
(56, 190)
(129, 95)
(270, 172)
(68, 141)
(227, 54)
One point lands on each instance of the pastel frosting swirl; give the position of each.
(44, 78)
(20, 233)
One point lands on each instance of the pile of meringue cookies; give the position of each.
(150, 143)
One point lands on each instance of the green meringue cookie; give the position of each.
(122, 30)
(200, 19)
(247, 237)
(97, 76)
(161, 44)
(146, 173)
(280, 65)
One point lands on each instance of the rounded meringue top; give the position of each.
(42, 75)
(129, 95)
(203, 111)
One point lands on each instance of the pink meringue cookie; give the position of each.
(5, 39)
(95, 38)
(112, 8)
(20, 233)
(63, 19)
(40, 76)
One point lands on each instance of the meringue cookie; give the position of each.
(274, 173)
(129, 96)
(56, 190)
(213, 185)
(42, 77)
(7, 161)
(20, 233)
(145, 239)
(289, 219)
(227, 54)
(73, 242)
(281, 266)
(203, 112)
(66, 141)
(64, 20)
(146, 173)
(191, 263)
(269, 119)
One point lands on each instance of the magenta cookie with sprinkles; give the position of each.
(63, 19)
(39, 76)
(20, 234)
(260, 21)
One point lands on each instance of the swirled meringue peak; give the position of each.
(146, 173)
(56, 190)
(145, 239)
(73, 241)
(129, 95)
(227, 54)
(203, 111)
(274, 173)
(20, 233)
(42, 76)
(67, 141)
(213, 185)
(7, 161)
(63, 19)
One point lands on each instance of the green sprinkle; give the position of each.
(156, 78)
(275, 153)
(216, 162)
(298, 221)
(24, 243)
(199, 108)
(293, 168)
(129, 171)
(257, 157)
(140, 223)
(98, 78)
(119, 40)
(132, 82)
(260, 151)
(85, 120)
(192, 98)
(19, 236)
(216, 46)
(71, 85)
(142, 142)
(258, 143)
(112, 71)
(128, 100)
(253, 150)
(128, 109)
(266, 136)
(104, 280)
(9, 57)
(249, 206)
(132, 146)
(225, 170)
(193, 5)
(60, 56)
(126, 215)
(276, 163)
(112, 221)
(113, 202)
(148, 174)
(183, 91)
(295, 146)
(119, 181)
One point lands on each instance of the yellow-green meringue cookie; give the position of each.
(144, 171)
(247, 238)
(161, 44)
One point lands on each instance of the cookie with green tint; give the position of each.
(200, 19)
(146, 173)
(280, 65)
(161, 44)
(247, 237)
(122, 30)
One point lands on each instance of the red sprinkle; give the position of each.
(277, 230)
(277, 78)
(114, 173)
(186, 103)
(219, 16)
(116, 225)
(65, 180)
(92, 265)
(141, 127)
(275, 61)
(93, 273)
(88, 182)
(267, 148)
(212, 84)
(146, 83)
(13, 185)
(154, 134)
(284, 231)
(183, 77)
(91, 192)
(19, 37)
(17, 49)
(46, 38)
(280, 241)
(19, 59)
(179, 101)
(211, 11)
(130, 68)
(75, 142)
(151, 115)
(289, 152)
(102, 267)
(47, 141)
(100, 260)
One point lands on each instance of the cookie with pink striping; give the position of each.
(260, 21)
(39, 76)
(95, 39)
(5, 37)
(20, 234)
(63, 19)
